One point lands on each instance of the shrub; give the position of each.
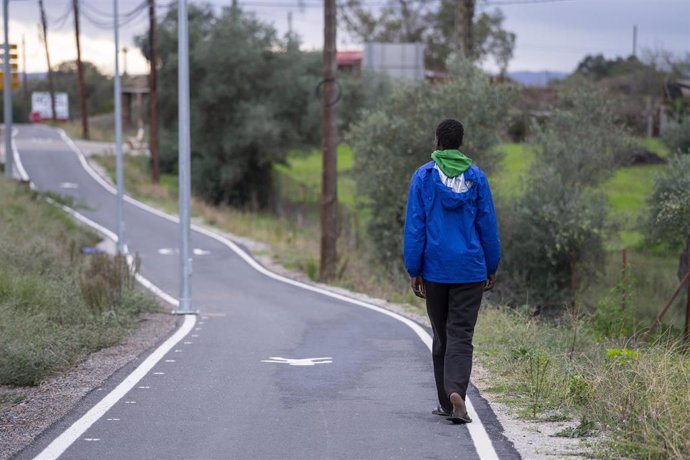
(555, 230)
(677, 137)
(668, 220)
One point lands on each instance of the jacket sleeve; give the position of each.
(487, 228)
(415, 229)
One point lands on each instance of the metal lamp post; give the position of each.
(184, 159)
(119, 168)
(9, 160)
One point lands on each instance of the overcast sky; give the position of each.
(551, 34)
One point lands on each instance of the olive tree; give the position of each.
(249, 104)
(554, 231)
(668, 219)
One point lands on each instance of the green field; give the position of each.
(626, 190)
(305, 168)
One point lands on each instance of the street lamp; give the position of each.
(9, 160)
(184, 158)
(119, 169)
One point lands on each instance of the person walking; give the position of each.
(451, 253)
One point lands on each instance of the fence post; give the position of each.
(686, 331)
(661, 314)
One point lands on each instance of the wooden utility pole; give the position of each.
(80, 71)
(329, 181)
(465, 15)
(153, 96)
(51, 86)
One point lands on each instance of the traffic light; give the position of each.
(14, 56)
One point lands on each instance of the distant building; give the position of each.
(350, 61)
(134, 89)
(396, 60)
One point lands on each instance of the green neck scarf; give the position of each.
(451, 161)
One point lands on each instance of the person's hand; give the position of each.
(490, 283)
(417, 285)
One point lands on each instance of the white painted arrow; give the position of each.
(298, 362)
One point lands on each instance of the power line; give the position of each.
(61, 20)
(109, 15)
(522, 2)
(90, 13)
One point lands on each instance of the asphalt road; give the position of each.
(218, 394)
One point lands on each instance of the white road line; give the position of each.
(478, 433)
(18, 166)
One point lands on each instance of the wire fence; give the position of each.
(300, 203)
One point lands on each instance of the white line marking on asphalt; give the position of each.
(144, 387)
(159, 373)
(200, 252)
(204, 318)
(167, 251)
(194, 335)
(113, 419)
(92, 439)
(478, 433)
(178, 351)
(197, 328)
(130, 402)
(169, 360)
(68, 185)
(19, 167)
(187, 343)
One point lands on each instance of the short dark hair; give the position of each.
(449, 134)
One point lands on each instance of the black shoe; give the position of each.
(441, 411)
(459, 414)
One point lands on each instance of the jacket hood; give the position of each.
(456, 191)
(451, 161)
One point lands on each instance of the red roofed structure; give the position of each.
(350, 61)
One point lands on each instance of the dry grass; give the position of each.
(638, 397)
(56, 304)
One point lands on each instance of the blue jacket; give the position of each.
(451, 237)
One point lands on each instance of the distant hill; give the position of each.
(37, 75)
(531, 78)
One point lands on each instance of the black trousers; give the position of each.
(453, 310)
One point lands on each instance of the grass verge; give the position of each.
(57, 304)
(637, 396)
